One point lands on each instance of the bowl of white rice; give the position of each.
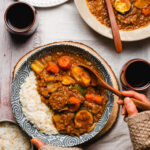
(12, 137)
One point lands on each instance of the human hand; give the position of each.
(129, 108)
(37, 142)
(41, 145)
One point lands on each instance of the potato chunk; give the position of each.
(52, 87)
(37, 66)
(67, 80)
(81, 75)
(141, 3)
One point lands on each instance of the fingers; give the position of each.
(123, 110)
(120, 102)
(130, 107)
(138, 96)
(37, 142)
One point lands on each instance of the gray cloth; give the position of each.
(139, 127)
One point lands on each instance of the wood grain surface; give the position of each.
(11, 49)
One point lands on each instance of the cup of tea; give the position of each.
(21, 18)
(135, 75)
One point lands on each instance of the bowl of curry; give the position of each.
(132, 16)
(80, 106)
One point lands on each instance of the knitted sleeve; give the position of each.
(139, 127)
(48, 147)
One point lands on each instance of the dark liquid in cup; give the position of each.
(20, 16)
(138, 74)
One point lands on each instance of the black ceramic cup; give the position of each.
(135, 75)
(21, 18)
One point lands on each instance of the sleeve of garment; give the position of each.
(139, 127)
(48, 147)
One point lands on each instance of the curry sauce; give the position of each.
(135, 15)
(72, 93)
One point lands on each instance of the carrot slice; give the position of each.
(64, 62)
(52, 67)
(146, 11)
(74, 103)
(98, 99)
(89, 97)
(95, 98)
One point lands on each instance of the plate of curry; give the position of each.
(132, 16)
(81, 107)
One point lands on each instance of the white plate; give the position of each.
(44, 3)
(134, 35)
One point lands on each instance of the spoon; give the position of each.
(115, 30)
(105, 85)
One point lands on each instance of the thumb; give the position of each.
(37, 142)
(130, 106)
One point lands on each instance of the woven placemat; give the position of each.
(115, 110)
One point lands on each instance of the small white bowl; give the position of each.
(12, 122)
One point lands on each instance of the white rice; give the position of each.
(12, 138)
(34, 109)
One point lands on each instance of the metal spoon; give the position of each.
(105, 85)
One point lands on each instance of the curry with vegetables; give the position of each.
(130, 14)
(72, 93)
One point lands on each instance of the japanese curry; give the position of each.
(72, 93)
(130, 14)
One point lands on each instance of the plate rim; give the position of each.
(45, 4)
(128, 36)
(67, 43)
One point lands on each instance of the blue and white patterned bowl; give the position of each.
(23, 72)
